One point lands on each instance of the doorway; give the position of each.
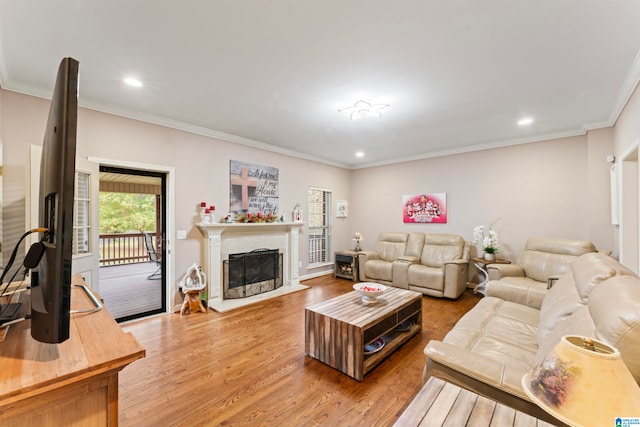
(133, 229)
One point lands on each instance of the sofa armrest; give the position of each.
(363, 257)
(498, 271)
(455, 278)
(400, 271)
(409, 259)
(457, 261)
(529, 295)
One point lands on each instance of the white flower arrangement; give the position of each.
(489, 241)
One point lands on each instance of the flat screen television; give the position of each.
(51, 279)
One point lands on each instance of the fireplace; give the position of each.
(223, 239)
(252, 273)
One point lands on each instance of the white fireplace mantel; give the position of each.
(225, 238)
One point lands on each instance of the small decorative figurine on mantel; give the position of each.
(297, 213)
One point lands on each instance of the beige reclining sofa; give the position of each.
(494, 344)
(540, 262)
(430, 263)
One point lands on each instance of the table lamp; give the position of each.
(357, 236)
(584, 382)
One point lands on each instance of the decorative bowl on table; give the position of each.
(369, 291)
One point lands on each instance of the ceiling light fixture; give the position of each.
(360, 154)
(525, 121)
(132, 82)
(363, 109)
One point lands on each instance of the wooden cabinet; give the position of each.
(74, 383)
(346, 265)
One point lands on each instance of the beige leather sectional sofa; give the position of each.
(430, 263)
(499, 340)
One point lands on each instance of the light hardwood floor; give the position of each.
(248, 367)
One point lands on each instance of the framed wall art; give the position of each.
(425, 208)
(253, 188)
(342, 209)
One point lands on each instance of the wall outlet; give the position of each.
(182, 234)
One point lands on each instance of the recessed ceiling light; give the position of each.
(359, 154)
(363, 109)
(525, 121)
(132, 82)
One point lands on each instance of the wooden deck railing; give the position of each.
(123, 248)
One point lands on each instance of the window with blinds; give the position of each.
(81, 213)
(319, 217)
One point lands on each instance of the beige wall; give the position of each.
(547, 189)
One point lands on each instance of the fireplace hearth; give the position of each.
(252, 273)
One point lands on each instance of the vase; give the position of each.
(489, 257)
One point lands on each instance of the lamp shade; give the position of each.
(584, 382)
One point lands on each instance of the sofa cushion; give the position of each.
(577, 323)
(614, 309)
(390, 246)
(378, 269)
(415, 243)
(426, 277)
(439, 248)
(496, 333)
(498, 320)
(559, 303)
(542, 258)
(591, 269)
(521, 290)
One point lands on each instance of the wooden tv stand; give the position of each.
(72, 383)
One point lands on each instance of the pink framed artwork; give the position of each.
(425, 208)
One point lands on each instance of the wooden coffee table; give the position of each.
(337, 330)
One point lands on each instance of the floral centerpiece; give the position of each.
(489, 240)
(255, 218)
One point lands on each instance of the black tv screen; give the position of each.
(51, 279)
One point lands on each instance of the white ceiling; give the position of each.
(458, 75)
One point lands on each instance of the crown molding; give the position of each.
(629, 85)
(473, 148)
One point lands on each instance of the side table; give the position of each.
(346, 265)
(481, 264)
